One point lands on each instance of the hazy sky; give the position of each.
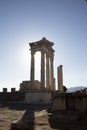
(63, 22)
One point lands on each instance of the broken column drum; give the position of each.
(47, 70)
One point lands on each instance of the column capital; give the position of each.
(51, 54)
(42, 51)
(32, 52)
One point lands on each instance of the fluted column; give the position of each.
(47, 71)
(51, 72)
(32, 69)
(42, 70)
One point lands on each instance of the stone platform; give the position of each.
(38, 97)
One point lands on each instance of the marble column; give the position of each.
(51, 72)
(32, 69)
(60, 78)
(47, 71)
(42, 70)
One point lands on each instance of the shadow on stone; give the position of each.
(26, 123)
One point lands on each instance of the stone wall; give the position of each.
(32, 97)
(68, 111)
(70, 101)
(38, 97)
(59, 103)
(11, 96)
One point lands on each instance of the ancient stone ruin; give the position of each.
(47, 80)
(47, 70)
(47, 83)
(47, 53)
(67, 110)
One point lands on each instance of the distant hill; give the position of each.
(74, 89)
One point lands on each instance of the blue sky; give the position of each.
(63, 22)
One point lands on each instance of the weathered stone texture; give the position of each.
(60, 78)
(25, 86)
(38, 97)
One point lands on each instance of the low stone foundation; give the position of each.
(37, 97)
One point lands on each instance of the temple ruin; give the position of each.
(40, 91)
(47, 54)
(47, 69)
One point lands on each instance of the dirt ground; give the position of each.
(15, 113)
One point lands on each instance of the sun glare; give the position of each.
(25, 58)
(24, 54)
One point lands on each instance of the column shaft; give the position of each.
(42, 70)
(32, 69)
(51, 72)
(60, 79)
(47, 71)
